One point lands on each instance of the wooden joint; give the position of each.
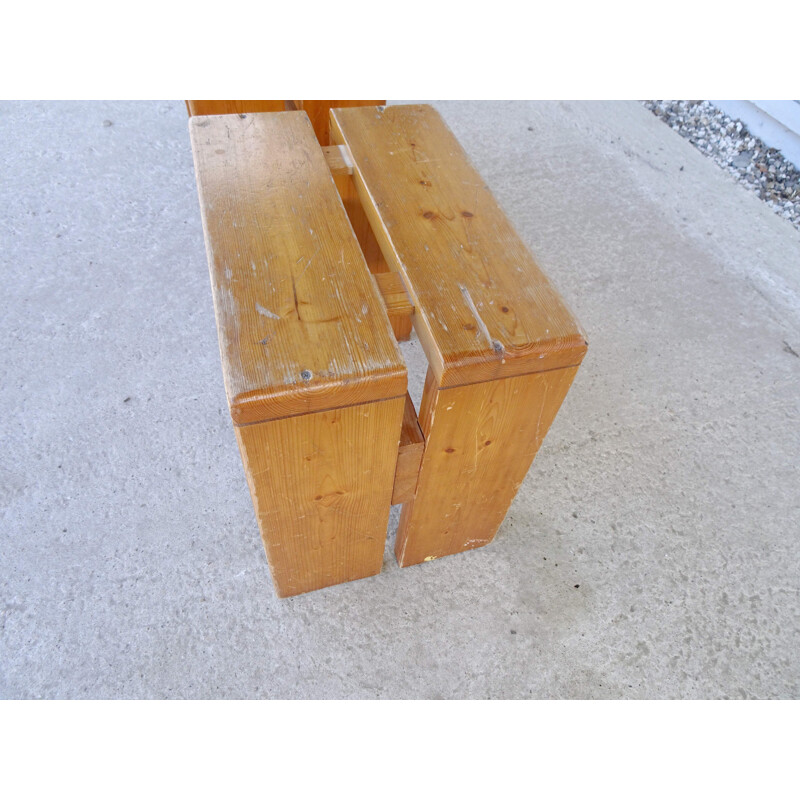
(338, 158)
(409, 456)
(399, 307)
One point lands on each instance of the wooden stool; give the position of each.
(315, 381)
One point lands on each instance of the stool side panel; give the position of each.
(483, 307)
(298, 315)
(321, 486)
(480, 441)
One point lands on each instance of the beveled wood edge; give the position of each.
(558, 355)
(394, 293)
(249, 408)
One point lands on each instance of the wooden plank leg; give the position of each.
(321, 486)
(480, 441)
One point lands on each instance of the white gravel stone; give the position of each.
(762, 169)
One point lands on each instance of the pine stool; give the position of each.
(314, 378)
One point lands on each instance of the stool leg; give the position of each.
(480, 441)
(322, 485)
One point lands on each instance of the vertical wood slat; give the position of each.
(480, 441)
(321, 486)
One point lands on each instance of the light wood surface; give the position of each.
(301, 324)
(207, 107)
(321, 486)
(480, 441)
(409, 456)
(338, 160)
(398, 305)
(483, 308)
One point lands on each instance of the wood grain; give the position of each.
(409, 456)
(483, 308)
(319, 113)
(399, 308)
(301, 324)
(321, 486)
(480, 441)
(338, 160)
(359, 221)
(208, 107)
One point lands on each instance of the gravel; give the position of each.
(760, 168)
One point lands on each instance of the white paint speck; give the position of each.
(265, 312)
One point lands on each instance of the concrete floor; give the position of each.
(667, 489)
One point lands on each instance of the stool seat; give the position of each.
(301, 323)
(315, 382)
(483, 308)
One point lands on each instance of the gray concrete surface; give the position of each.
(652, 551)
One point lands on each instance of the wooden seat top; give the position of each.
(483, 308)
(300, 321)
